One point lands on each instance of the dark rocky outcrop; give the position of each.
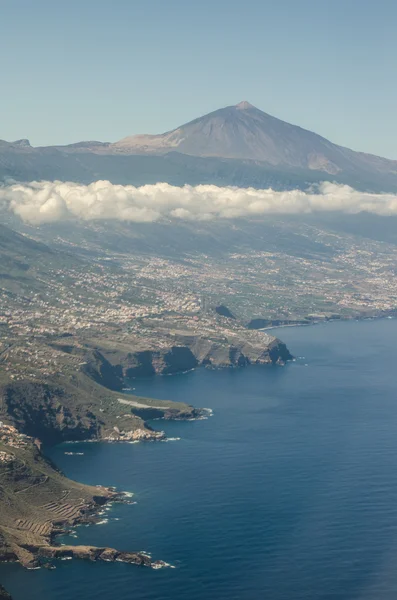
(279, 353)
(68, 410)
(93, 553)
(109, 367)
(173, 360)
(4, 595)
(239, 351)
(101, 371)
(47, 411)
(184, 352)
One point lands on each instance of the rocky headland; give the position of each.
(38, 503)
(167, 350)
(70, 388)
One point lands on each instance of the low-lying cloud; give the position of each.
(51, 201)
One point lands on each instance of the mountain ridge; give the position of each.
(247, 133)
(236, 145)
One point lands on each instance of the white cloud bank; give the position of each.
(51, 201)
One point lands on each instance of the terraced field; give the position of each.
(37, 501)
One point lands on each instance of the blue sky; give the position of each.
(96, 69)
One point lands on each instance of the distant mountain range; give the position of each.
(238, 145)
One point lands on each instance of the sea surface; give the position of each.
(288, 492)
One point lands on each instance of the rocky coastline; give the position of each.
(44, 555)
(85, 401)
(95, 553)
(39, 504)
(178, 353)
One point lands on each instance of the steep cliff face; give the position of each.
(84, 406)
(72, 411)
(239, 351)
(186, 353)
(82, 400)
(279, 353)
(46, 411)
(156, 362)
(103, 372)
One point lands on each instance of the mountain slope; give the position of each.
(247, 133)
(28, 266)
(237, 145)
(19, 258)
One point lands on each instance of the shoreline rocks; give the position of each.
(136, 435)
(94, 554)
(4, 595)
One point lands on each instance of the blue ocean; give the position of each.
(288, 492)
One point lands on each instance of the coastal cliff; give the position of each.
(39, 503)
(57, 389)
(73, 403)
(80, 396)
(115, 358)
(79, 409)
